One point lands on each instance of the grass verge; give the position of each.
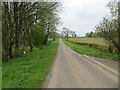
(30, 70)
(84, 49)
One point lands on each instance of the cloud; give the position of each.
(82, 15)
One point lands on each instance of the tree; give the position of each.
(89, 34)
(66, 32)
(23, 22)
(73, 33)
(108, 28)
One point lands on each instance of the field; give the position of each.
(98, 41)
(91, 46)
(29, 70)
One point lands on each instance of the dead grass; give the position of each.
(98, 41)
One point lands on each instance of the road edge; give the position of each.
(47, 79)
(100, 64)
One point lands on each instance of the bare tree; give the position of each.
(66, 32)
(73, 33)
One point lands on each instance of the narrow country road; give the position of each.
(72, 70)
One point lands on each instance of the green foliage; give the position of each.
(27, 24)
(38, 35)
(84, 49)
(29, 70)
(108, 27)
(114, 7)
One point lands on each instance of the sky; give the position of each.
(82, 15)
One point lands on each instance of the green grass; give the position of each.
(30, 70)
(84, 49)
(50, 39)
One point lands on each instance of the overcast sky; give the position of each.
(82, 15)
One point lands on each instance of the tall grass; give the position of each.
(29, 70)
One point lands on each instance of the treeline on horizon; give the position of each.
(27, 24)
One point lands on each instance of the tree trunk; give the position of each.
(31, 48)
(67, 38)
(17, 48)
(110, 49)
(10, 51)
(16, 29)
(7, 55)
(30, 43)
(46, 39)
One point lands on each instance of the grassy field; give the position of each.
(98, 41)
(30, 70)
(84, 49)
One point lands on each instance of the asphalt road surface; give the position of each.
(72, 70)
